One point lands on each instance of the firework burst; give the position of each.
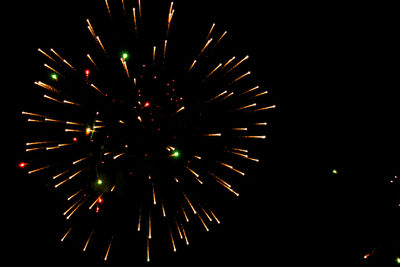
(142, 133)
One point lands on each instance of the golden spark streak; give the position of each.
(227, 187)
(87, 241)
(79, 160)
(148, 249)
(209, 33)
(215, 217)
(140, 218)
(91, 60)
(125, 67)
(58, 175)
(123, 6)
(208, 216)
(220, 38)
(108, 8)
(225, 97)
(191, 66)
(108, 251)
(172, 239)
(184, 214)
(53, 120)
(237, 64)
(260, 109)
(195, 174)
(204, 224)
(134, 20)
(73, 205)
(149, 226)
(47, 87)
(179, 230)
(170, 15)
(253, 136)
(69, 230)
(165, 49)
(140, 10)
(72, 212)
(119, 155)
(31, 120)
(179, 110)
(251, 89)
(74, 123)
(39, 169)
(240, 77)
(217, 67)
(248, 106)
(231, 167)
(219, 179)
(113, 188)
(154, 54)
(101, 44)
(39, 143)
(163, 210)
(33, 114)
(205, 46)
(239, 129)
(52, 50)
(154, 195)
(71, 103)
(73, 130)
(227, 63)
(190, 204)
(213, 134)
(32, 149)
(69, 65)
(184, 234)
(41, 51)
(70, 177)
(73, 195)
(95, 201)
(261, 123)
(97, 89)
(50, 68)
(263, 93)
(239, 149)
(215, 97)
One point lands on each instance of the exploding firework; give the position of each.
(142, 133)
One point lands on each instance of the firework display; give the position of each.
(141, 132)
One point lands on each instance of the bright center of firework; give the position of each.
(176, 154)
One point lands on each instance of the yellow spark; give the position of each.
(240, 77)
(149, 225)
(71, 103)
(220, 38)
(108, 251)
(204, 224)
(191, 66)
(165, 49)
(227, 63)
(208, 216)
(140, 218)
(148, 250)
(154, 195)
(52, 50)
(225, 97)
(213, 134)
(47, 66)
(134, 20)
(179, 110)
(108, 8)
(69, 65)
(209, 33)
(69, 230)
(215, 97)
(184, 234)
(73, 130)
(47, 87)
(58, 175)
(172, 239)
(260, 109)
(74, 123)
(253, 136)
(113, 188)
(53, 120)
(237, 64)
(72, 212)
(96, 200)
(195, 174)
(33, 114)
(41, 51)
(125, 67)
(32, 149)
(249, 90)
(97, 89)
(87, 241)
(154, 54)
(123, 6)
(122, 122)
(205, 46)
(215, 217)
(263, 93)
(190, 204)
(140, 10)
(73, 205)
(231, 167)
(70, 177)
(227, 187)
(217, 67)
(260, 123)
(247, 106)
(163, 210)
(79, 160)
(101, 44)
(119, 155)
(38, 143)
(73, 195)
(239, 129)
(184, 214)
(91, 60)
(179, 230)
(39, 169)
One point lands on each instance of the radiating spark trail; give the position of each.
(96, 200)
(184, 214)
(148, 250)
(227, 63)
(237, 64)
(149, 226)
(52, 69)
(240, 77)
(97, 89)
(154, 54)
(179, 110)
(247, 106)
(101, 44)
(70, 177)
(91, 60)
(191, 66)
(209, 33)
(108, 251)
(249, 90)
(172, 240)
(79, 160)
(205, 46)
(260, 109)
(213, 134)
(260, 94)
(184, 235)
(72, 212)
(140, 218)
(154, 195)
(195, 174)
(66, 234)
(216, 68)
(87, 241)
(41, 51)
(134, 21)
(190, 204)
(220, 38)
(61, 173)
(119, 155)
(231, 167)
(39, 169)
(73, 195)
(47, 87)
(215, 97)
(215, 217)
(108, 8)
(204, 224)
(125, 67)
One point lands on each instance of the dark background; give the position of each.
(330, 69)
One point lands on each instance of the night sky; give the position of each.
(330, 69)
